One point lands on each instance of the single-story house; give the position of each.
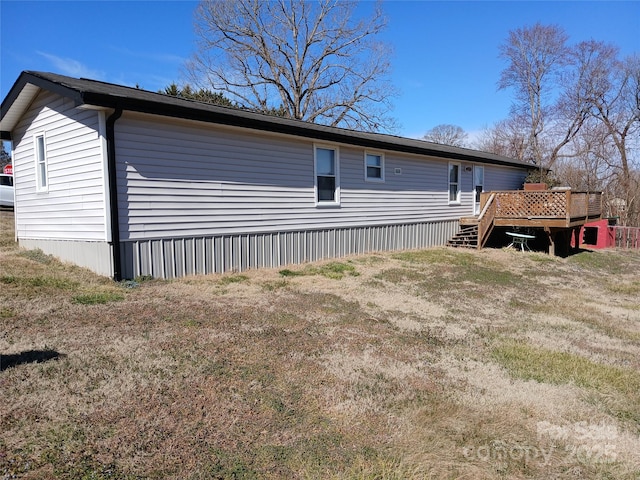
(128, 182)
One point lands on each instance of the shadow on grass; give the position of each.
(30, 356)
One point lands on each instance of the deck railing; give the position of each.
(485, 220)
(627, 237)
(545, 204)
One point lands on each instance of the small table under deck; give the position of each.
(520, 240)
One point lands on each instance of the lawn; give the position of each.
(436, 364)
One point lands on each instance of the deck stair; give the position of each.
(467, 237)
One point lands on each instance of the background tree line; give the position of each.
(576, 111)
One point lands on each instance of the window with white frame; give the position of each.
(327, 178)
(374, 167)
(454, 183)
(42, 180)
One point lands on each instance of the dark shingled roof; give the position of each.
(100, 94)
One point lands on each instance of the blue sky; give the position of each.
(445, 60)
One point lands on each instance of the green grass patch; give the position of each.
(613, 389)
(401, 275)
(618, 287)
(542, 258)
(292, 273)
(52, 282)
(96, 298)
(453, 267)
(229, 279)
(271, 286)
(333, 270)
(71, 458)
(9, 279)
(38, 256)
(143, 278)
(446, 281)
(583, 311)
(604, 261)
(550, 366)
(487, 275)
(42, 281)
(437, 255)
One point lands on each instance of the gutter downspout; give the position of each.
(113, 193)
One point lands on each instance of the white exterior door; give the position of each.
(478, 187)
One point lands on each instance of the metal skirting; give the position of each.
(179, 257)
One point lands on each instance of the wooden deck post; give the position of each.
(575, 233)
(560, 240)
(551, 239)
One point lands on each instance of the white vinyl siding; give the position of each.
(73, 207)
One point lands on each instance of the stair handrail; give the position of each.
(485, 220)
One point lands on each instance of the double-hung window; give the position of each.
(327, 178)
(374, 167)
(454, 182)
(42, 176)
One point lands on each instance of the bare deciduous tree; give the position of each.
(587, 168)
(507, 138)
(312, 59)
(446, 134)
(535, 56)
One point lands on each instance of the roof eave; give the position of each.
(295, 128)
(22, 94)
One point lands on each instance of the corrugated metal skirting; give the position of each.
(179, 257)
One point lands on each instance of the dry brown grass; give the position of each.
(430, 364)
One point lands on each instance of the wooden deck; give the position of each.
(558, 212)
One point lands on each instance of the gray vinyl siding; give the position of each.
(73, 208)
(187, 179)
(182, 180)
(503, 178)
(418, 193)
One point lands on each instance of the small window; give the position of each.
(42, 180)
(327, 180)
(454, 183)
(374, 167)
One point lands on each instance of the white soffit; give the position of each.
(11, 117)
